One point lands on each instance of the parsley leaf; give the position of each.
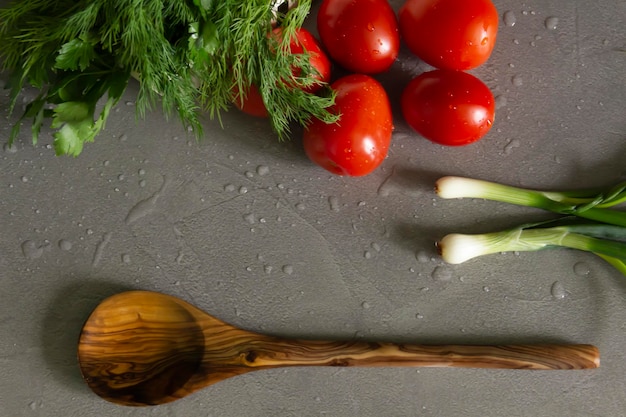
(76, 54)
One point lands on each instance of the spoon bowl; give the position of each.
(145, 348)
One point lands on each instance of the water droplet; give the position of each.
(334, 203)
(509, 18)
(229, 188)
(486, 289)
(582, 269)
(375, 246)
(262, 170)
(442, 273)
(419, 316)
(370, 26)
(243, 190)
(32, 250)
(250, 218)
(367, 254)
(422, 256)
(288, 269)
(99, 252)
(142, 172)
(365, 305)
(552, 23)
(511, 145)
(517, 80)
(124, 137)
(387, 186)
(300, 206)
(144, 207)
(501, 101)
(126, 258)
(268, 269)
(558, 291)
(65, 245)
(358, 334)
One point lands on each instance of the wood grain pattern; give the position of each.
(144, 348)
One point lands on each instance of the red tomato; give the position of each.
(359, 142)
(306, 42)
(450, 34)
(448, 107)
(362, 36)
(303, 41)
(251, 102)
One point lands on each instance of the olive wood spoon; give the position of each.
(145, 348)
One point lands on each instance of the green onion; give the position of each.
(616, 263)
(604, 235)
(593, 204)
(457, 248)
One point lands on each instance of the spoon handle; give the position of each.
(542, 357)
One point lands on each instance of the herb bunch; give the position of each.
(188, 55)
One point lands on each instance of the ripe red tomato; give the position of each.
(251, 102)
(450, 34)
(359, 142)
(306, 42)
(362, 36)
(303, 41)
(448, 107)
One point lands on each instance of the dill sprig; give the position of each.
(188, 55)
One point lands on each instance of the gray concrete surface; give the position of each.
(249, 230)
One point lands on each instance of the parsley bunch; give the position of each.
(189, 56)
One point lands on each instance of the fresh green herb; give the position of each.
(189, 55)
(590, 223)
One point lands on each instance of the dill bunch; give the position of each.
(189, 56)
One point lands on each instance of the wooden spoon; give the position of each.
(145, 348)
